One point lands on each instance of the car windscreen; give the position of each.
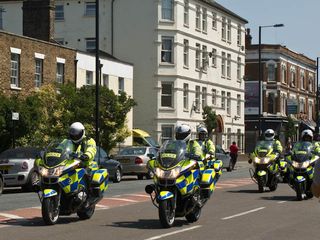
(20, 153)
(133, 151)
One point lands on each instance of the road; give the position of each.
(235, 211)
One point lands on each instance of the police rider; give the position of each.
(194, 150)
(206, 143)
(269, 136)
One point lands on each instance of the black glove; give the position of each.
(84, 157)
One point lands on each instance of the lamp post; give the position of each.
(97, 75)
(260, 74)
(317, 99)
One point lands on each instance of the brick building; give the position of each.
(288, 88)
(27, 63)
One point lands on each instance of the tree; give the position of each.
(290, 128)
(209, 119)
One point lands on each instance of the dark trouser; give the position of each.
(234, 157)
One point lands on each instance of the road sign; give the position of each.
(15, 116)
(292, 106)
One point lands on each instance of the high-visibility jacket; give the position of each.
(207, 147)
(194, 149)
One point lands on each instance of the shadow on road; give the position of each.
(145, 224)
(280, 198)
(244, 191)
(36, 222)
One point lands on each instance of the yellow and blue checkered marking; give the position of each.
(300, 179)
(70, 181)
(49, 193)
(101, 178)
(165, 195)
(186, 182)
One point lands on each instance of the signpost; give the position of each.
(15, 117)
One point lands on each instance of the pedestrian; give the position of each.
(288, 145)
(234, 153)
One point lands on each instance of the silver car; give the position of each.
(224, 157)
(21, 172)
(134, 160)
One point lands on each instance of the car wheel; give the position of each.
(1, 185)
(117, 176)
(28, 187)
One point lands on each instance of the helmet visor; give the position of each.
(269, 135)
(75, 134)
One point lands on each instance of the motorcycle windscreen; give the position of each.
(57, 152)
(302, 151)
(263, 148)
(171, 153)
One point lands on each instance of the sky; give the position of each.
(301, 31)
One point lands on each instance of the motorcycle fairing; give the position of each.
(217, 165)
(261, 173)
(100, 177)
(49, 193)
(283, 165)
(71, 181)
(163, 195)
(187, 181)
(300, 179)
(208, 180)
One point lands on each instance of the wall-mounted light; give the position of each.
(236, 118)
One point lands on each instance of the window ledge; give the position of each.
(186, 25)
(166, 64)
(167, 109)
(14, 87)
(166, 21)
(186, 67)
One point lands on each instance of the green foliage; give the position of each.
(290, 128)
(209, 119)
(47, 114)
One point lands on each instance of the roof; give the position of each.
(213, 3)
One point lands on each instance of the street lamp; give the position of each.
(260, 73)
(317, 99)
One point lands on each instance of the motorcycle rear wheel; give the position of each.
(86, 213)
(50, 210)
(194, 215)
(166, 213)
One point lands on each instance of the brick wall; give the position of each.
(28, 48)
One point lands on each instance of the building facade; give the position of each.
(26, 64)
(288, 89)
(187, 54)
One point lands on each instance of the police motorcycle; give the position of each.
(265, 170)
(179, 188)
(301, 163)
(65, 185)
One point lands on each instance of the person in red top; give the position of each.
(234, 153)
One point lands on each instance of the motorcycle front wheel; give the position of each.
(261, 184)
(166, 213)
(50, 210)
(299, 191)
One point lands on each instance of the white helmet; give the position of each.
(183, 132)
(202, 132)
(307, 133)
(269, 134)
(76, 132)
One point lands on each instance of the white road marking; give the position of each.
(282, 202)
(100, 206)
(11, 216)
(123, 199)
(172, 233)
(243, 213)
(138, 195)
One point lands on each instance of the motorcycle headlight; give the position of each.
(262, 160)
(171, 174)
(300, 165)
(51, 172)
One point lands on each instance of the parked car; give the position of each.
(114, 167)
(225, 157)
(134, 160)
(4, 166)
(21, 171)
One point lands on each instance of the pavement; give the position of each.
(243, 157)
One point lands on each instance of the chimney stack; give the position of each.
(38, 19)
(248, 38)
